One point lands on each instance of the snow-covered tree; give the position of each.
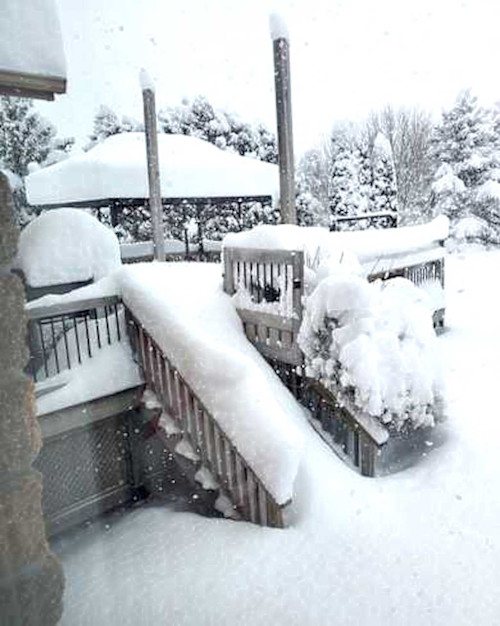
(312, 189)
(409, 134)
(448, 193)
(25, 137)
(345, 193)
(225, 130)
(466, 142)
(107, 123)
(384, 181)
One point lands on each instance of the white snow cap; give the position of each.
(65, 246)
(146, 81)
(382, 144)
(278, 27)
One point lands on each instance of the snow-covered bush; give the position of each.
(374, 343)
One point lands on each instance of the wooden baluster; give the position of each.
(252, 496)
(261, 501)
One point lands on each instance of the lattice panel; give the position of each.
(84, 463)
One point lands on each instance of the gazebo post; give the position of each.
(281, 49)
(155, 204)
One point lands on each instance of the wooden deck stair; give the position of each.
(239, 483)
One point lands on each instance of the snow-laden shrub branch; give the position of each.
(374, 343)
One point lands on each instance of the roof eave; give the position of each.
(25, 85)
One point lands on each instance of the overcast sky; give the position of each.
(347, 57)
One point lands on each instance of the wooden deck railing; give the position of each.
(357, 438)
(418, 274)
(62, 335)
(273, 282)
(217, 452)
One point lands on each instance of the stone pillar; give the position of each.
(31, 579)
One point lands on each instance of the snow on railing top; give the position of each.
(369, 246)
(183, 308)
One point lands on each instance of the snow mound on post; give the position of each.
(65, 246)
(278, 27)
(146, 81)
(184, 309)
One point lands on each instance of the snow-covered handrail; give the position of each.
(217, 452)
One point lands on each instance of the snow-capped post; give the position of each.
(155, 205)
(281, 49)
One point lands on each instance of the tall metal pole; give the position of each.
(281, 49)
(148, 96)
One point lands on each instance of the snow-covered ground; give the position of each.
(419, 547)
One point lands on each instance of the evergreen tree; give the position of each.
(384, 181)
(107, 123)
(25, 137)
(466, 141)
(200, 119)
(346, 197)
(448, 193)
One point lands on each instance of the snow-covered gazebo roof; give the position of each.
(32, 62)
(116, 170)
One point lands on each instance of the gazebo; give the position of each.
(196, 177)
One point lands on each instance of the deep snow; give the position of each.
(419, 547)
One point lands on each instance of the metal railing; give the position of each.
(236, 478)
(64, 335)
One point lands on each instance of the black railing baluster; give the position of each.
(54, 344)
(66, 343)
(96, 319)
(87, 333)
(117, 323)
(77, 340)
(107, 325)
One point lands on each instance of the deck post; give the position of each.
(281, 49)
(155, 204)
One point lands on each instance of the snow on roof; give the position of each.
(370, 246)
(116, 168)
(65, 246)
(30, 38)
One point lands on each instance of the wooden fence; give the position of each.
(236, 478)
